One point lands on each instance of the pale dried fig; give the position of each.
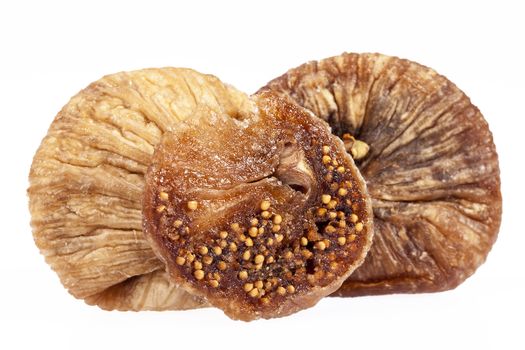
(431, 168)
(262, 217)
(87, 179)
(149, 291)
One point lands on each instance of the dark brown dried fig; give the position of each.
(262, 216)
(431, 168)
(87, 179)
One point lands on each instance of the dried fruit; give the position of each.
(431, 168)
(425, 150)
(261, 185)
(87, 179)
(150, 291)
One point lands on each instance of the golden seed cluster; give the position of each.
(249, 245)
(339, 197)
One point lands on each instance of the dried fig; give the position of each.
(87, 179)
(149, 291)
(261, 216)
(431, 168)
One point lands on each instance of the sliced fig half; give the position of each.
(431, 167)
(262, 216)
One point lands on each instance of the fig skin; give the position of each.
(241, 211)
(88, 174)
(87, 179)
(432, 168)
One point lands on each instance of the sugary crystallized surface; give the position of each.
(262, 217)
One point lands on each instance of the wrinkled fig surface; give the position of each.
(87, 180)
(430, 164)
(262, 216)
(431, 168)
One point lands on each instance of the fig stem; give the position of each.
(357, 148)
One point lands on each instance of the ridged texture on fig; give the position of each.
(262, 217)
(150, 291)
(87, 180)
(432, 168)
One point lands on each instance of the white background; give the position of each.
(50, 50)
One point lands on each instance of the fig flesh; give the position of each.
(263, 216)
